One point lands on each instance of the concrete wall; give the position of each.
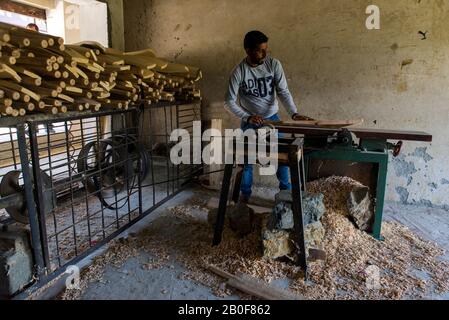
(336, 68)
(79, 20)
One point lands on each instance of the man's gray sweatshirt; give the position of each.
(256, 89)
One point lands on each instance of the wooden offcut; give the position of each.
(254, 287)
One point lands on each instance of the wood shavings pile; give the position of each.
(184, 234)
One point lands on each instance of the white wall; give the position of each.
(79, 20)
(94, 22)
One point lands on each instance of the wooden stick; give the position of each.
(66, 98)
(6, 101)
(31, 81)
(26, 72)
(12, 94)
(75, 107)
(6, 110)
(8, 60)
(24, 105)
(74, 89)
(52, 102)
(254, 286)
(4, 36)
(7, 71)
(316, 123)
(14, 86)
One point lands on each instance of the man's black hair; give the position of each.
(253, 39)
(33, 25)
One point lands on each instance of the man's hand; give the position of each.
(298, 117)
(257, 120)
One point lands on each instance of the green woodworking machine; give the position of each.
(361, 154)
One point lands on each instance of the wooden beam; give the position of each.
(254, 287)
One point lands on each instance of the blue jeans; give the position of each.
(247, 178)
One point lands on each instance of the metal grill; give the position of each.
(90, 176)
(9, 159)
(156, 124)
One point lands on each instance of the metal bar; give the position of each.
(152, 159)
(223, 204)
(168, 154)
(303, 172)
(101, 179)
(139, 178)
(38, 186)
(114, 165)
(380, 197)
(71, 189)
(52, 186)
(177, 126)
(171, 164)
(128, 202)
(86, 195)
(29, 194)
(13, 149)
(297, 208)
(237, 184)
(14, 121)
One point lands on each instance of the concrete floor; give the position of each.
(430, 223)
(131, 282)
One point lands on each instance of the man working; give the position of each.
(255, 82)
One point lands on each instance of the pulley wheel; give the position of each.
(10, 185)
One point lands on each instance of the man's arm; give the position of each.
(231, 104)
(282, 90)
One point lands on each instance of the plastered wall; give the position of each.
(394, 78)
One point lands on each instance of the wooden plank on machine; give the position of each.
(362, 133)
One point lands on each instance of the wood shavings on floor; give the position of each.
(183, 234)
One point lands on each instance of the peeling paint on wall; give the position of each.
(402, 167)
(425, 203)
(433, 185)
(422, 153)
(403, 194)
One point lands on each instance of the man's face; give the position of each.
(258, 54)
